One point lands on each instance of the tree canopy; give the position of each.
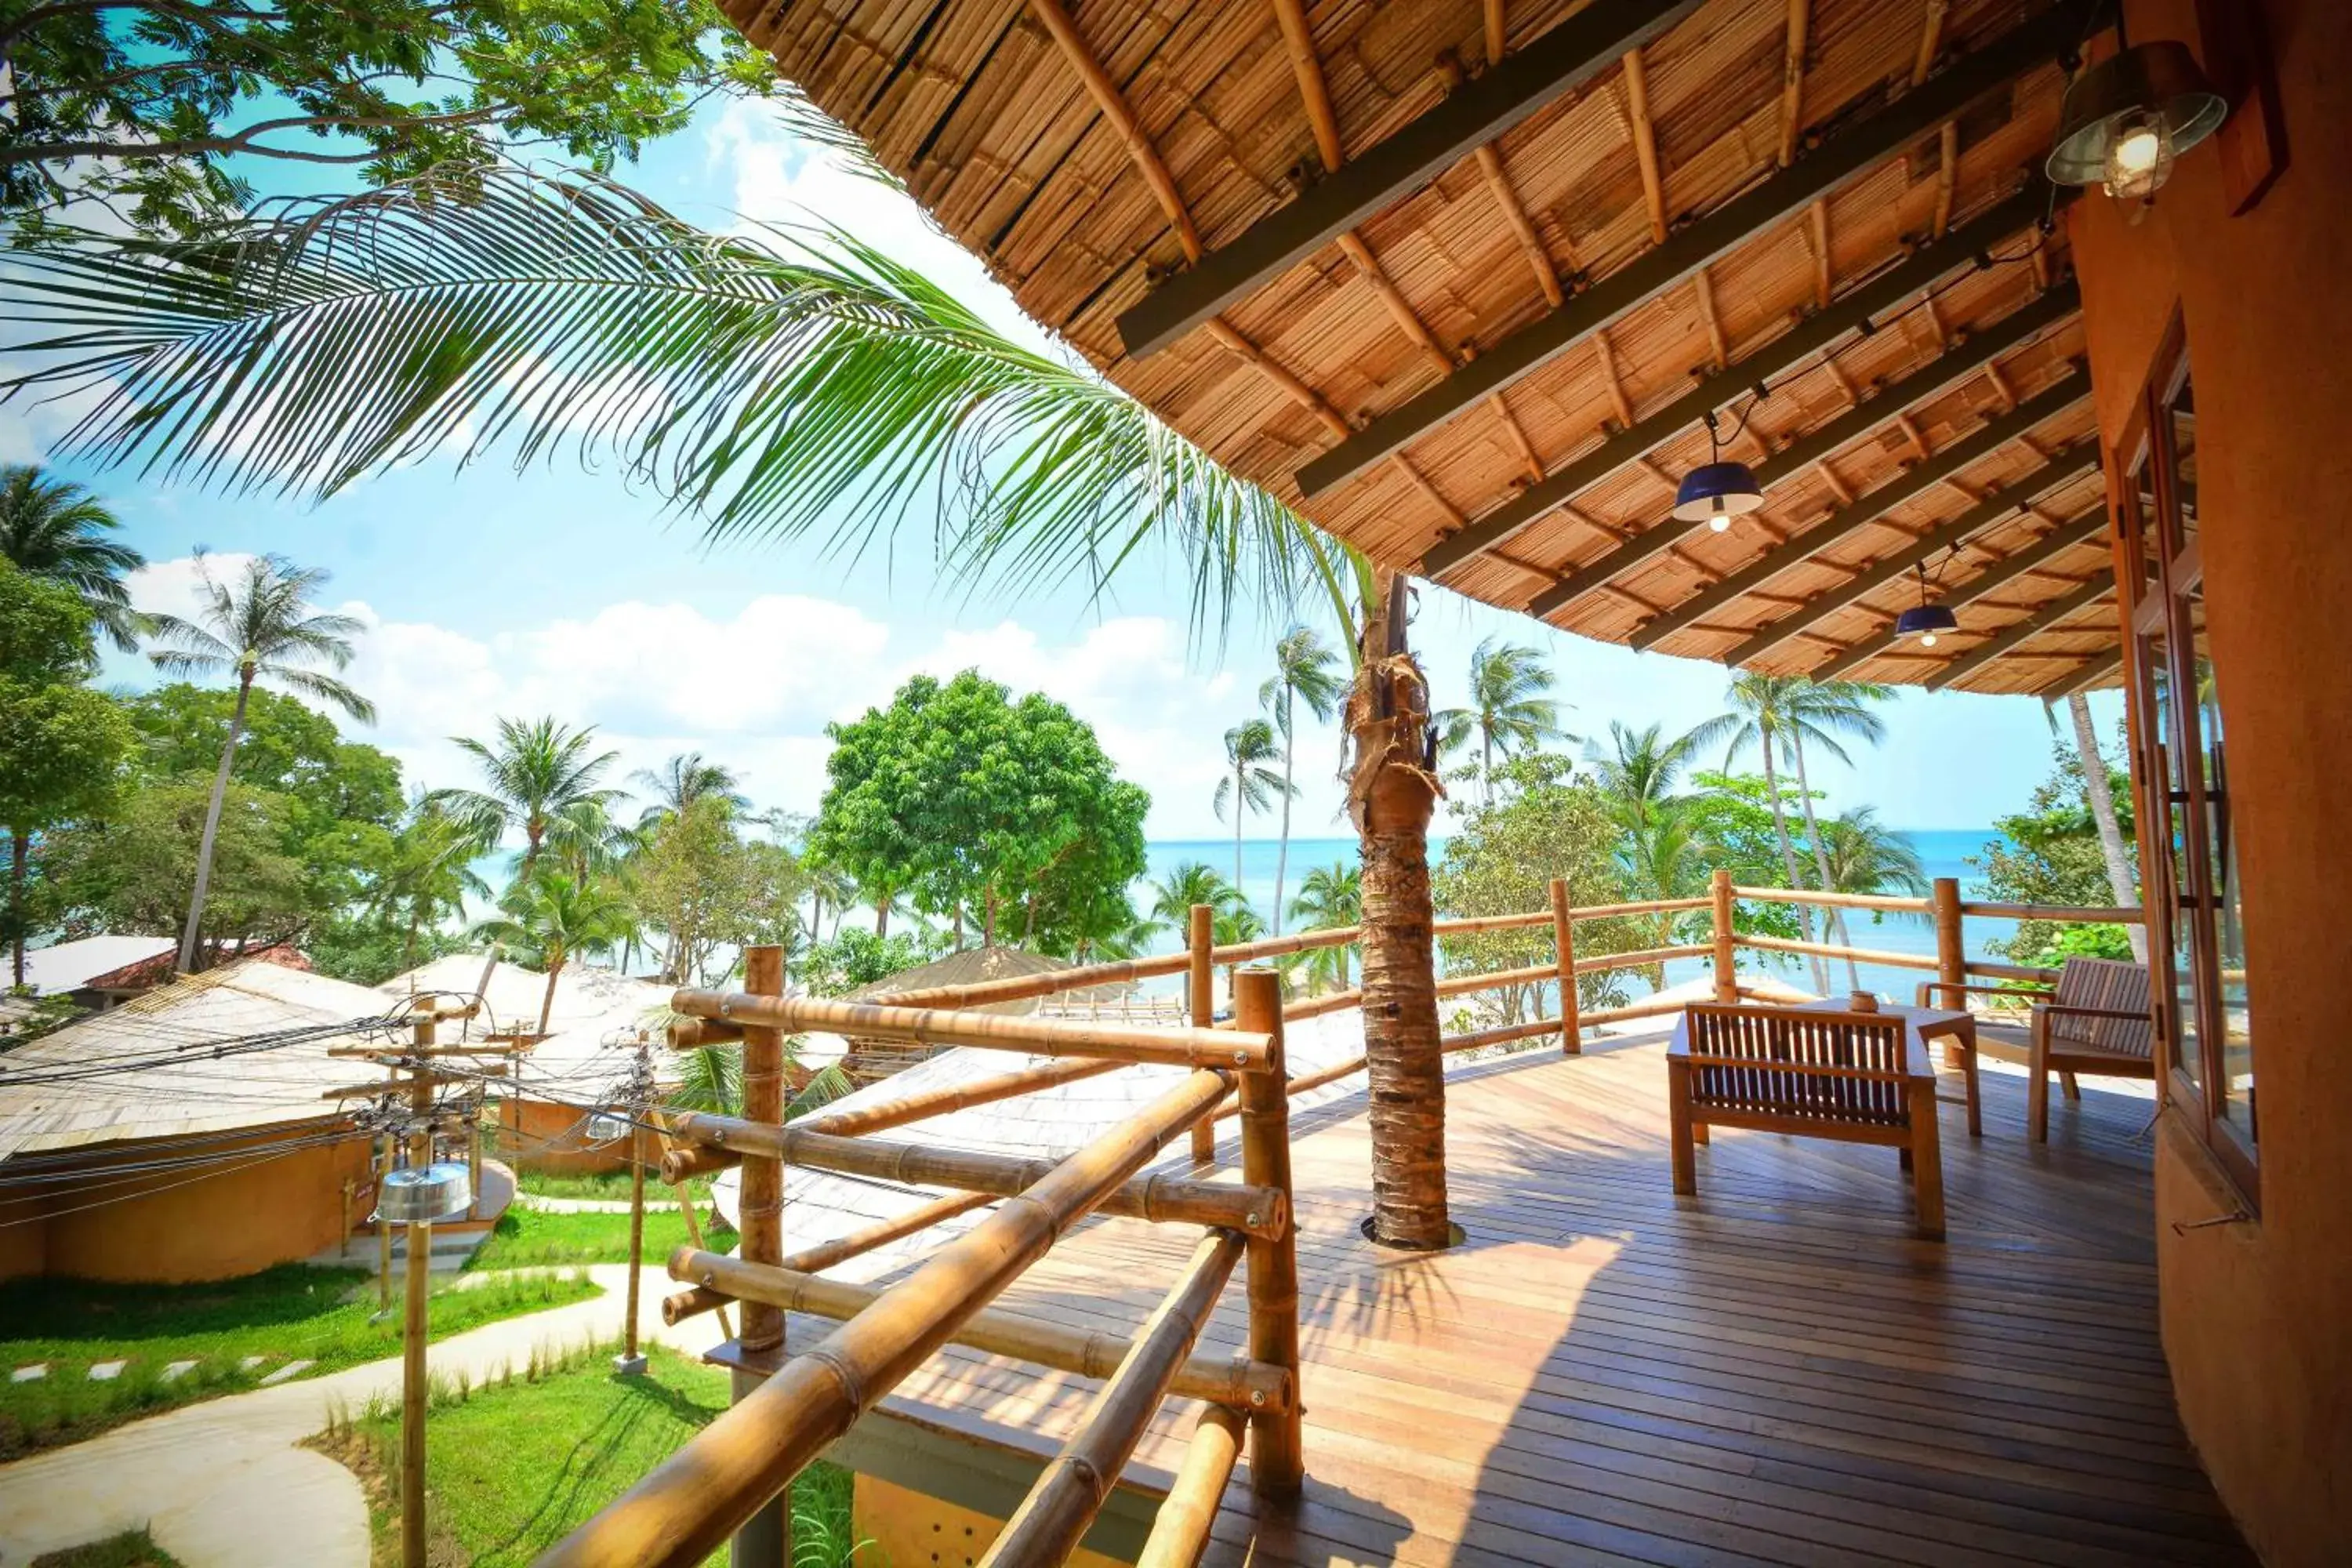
(974, 806)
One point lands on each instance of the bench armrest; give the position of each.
(1926, 986)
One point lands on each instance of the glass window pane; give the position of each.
(2175, 965)
(2236, 1100)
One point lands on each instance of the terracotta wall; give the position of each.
(535, 1135)
(236, 1221)
(2257, 1315)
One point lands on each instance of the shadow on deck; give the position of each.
(1773, 1372)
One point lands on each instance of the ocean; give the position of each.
(1943, 852)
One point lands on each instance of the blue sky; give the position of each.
(557, 590)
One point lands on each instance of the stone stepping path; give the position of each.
(106, 1370)
(249, 1363)
(33, 1373)
(291, 1369)
(178, 1370)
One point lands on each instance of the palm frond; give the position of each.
(798, 384)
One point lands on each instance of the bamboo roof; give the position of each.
(1486, 361)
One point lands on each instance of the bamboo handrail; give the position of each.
(1179, 1531)
(1830, 950)
(2103, 914)
(941, 1101)
(1473, 924)
(682, 1164)
(1043, 1037)
(677, 1308)
(1022, 987)
(679, 1514)
(1051, 1518)
(693, 1034)
(1646, 956)
(1832, 901)
(1248, 1208)
(1279, 946)
(1225, 1380)
(1640, 907)
(1496, 980)
(1316, 1006)
(1502, 1035)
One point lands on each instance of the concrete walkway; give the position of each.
(222, 1483)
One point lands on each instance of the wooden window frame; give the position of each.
(2149, 602)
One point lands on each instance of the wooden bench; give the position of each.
(1855, 1078)
(2099, 1019)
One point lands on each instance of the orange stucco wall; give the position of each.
(534, 1135)
(235, 1220)
(2257, 1316)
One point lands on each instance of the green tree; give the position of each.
(426, 879)
(61, 744)
(2050, 854)
(1501, 860)
(285, 746)
(1305, 670)
(962, 799)
(1251, 785)
(1328, 897)
(133, 869)
(854, 958)
(1508, 711)
(1731, 818)
(555, 918)
(2099, 794)
(1638, 771)
(705, 887)
(685, 780)
(57, 529)
(539, 778)
(151, 107)
(261, 627)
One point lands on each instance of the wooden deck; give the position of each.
(1774, 1372)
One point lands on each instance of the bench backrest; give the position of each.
(2112, 984)
(1775, 1061)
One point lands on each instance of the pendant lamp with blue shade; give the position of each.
(1926, 620)
(1717, 491)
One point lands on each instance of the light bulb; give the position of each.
(1927, 639)
(2139, 156)
(1721, 522)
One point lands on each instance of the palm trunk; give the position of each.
(1289, 762)
(1486, 766)
(2101, 792)
(1788, 860)
(18, 841)
(1834, 919)
(1391, 796)
(211, 827)
(882, 915)
(1239, 773)
(547, 1002)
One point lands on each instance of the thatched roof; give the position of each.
(1456, 326)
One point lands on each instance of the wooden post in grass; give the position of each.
(1204, 1014)
(765, 1540)
(382, 1228)
(1563, 934)
(629, 1363)
(1277, 1464)
(1726, 957)
(413, 1392)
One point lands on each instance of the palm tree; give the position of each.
(1507, 709)
(684, 779)
(1328, 897)
(430, 876)
(1638, 771)
(260, 628)
(556, 918)
(1864, 856)
(1253, 784)
(542, 778)
(56, 530)
(2099, 793)
(1305, 670)
(1188, 882)
(1759, 715)
(1821, 711)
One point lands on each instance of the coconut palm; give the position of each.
(1822, 712)
(1252, 785)
(684, 779)
(1864, 856)
(1638, 771)
(1507, 709)
(429, 877)
(540, 778)
(2099, 793)
(1329, 897)
(259, 626)
(1188, 882)
(1306, 670)
(557, 918)
(1758, 717)
(56, 530)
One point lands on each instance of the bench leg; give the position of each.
(2074, 1090)
(1678, 1115)
(1926, 1155)
(2037, 1089)
(1701, 1132)
(1976, 1111)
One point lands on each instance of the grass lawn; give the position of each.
(131, 1549)
(292, 1312)
(513, 1466)
(612, 1186)
(525, 1239)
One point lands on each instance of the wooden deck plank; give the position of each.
(1775, 1371)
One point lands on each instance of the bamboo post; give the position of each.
(413, 1390)
(1179, 1531)
(1204, 1015)
(765, 1540)
(474, 1153)
(1726, 957)
(629, 1363)
(1563, 935)
(382, 1230)
(686, 1207)
(1951, 952)
(1277, 1465)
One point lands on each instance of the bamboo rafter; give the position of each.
(1793, 81)
(1645, 142)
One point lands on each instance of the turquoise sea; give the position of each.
(1943, 852)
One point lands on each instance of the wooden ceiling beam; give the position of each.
(1994, 507)
(1506, 197)
(1645, 143)
(1817, 220)
(1298, 38)
(1931, 42)
(1922, 269)
(1520, 85)
(1772, 201)
(1985, 439)
(1718, 344)
(1793, 80)
(1299, 392)
(2083, 677)
(1113, 105)
(1939, 375)
(2024, 631)
(2027, 561)
(1497, 34)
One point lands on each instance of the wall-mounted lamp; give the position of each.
(2127, 118)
